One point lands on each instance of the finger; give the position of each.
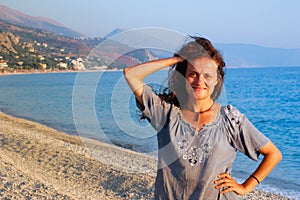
(224, 175)
(228, 189)
(221, 180)
(224, 183)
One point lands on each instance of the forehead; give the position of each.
(202, 64)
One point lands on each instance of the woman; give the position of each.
(197, 137)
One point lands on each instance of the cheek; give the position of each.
(214, 82)
(190, 80)
(188, 85)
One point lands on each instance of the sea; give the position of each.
(99, 105)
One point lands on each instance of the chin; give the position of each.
(201, 94)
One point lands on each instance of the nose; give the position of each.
(200, 79)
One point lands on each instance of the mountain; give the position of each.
(235, 55)
(15, 17)
(248, 55)
(28, 42)
(114, 32)
(31, 48)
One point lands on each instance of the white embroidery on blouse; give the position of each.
(194, 154)
(235, 115)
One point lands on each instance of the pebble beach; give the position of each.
(38, 162)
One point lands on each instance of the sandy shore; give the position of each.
(37, 162)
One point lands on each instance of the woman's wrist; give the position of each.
(250, 183)
(254, 177)
(177, 59)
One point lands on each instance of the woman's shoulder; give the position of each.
(229, 108)
(232, 113)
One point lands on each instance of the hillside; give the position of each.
(28, 42)
(30, 48)
(248, 55)
(15, 17)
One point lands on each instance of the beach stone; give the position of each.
(37, 162)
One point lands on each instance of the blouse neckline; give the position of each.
(205, 126)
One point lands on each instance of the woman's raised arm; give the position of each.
(135, 75)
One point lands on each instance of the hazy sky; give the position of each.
(271, 23)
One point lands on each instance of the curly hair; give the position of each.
(199, 47)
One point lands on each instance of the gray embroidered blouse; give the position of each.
(189, 162)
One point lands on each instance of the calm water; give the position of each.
(100, 106)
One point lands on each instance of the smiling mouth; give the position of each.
(199, 88)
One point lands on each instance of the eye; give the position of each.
(192, 75)
(207, 76)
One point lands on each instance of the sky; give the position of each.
(269, 23)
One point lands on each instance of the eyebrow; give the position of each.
(196, 71)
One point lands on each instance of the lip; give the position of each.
(199, 88)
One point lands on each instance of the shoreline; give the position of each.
(18, 72)
(40, 162)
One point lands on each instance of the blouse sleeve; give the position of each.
(154, 109)
(242, 134)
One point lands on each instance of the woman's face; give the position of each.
(201, 76)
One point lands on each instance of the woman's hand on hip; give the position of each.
(227, 184)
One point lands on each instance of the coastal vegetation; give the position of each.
(27, 48)
(30, 48)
